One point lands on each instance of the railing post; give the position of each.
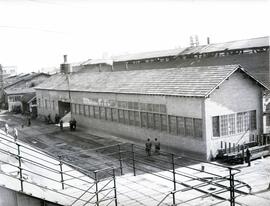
(114, 186)
(232, 194)
(61, 172)
(120, 159)
(20, 166)
(174, 179)
(133, 159)
(96, 182)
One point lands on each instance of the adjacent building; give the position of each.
(20, 95)
(189, 108)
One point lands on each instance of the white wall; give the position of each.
(237, 94)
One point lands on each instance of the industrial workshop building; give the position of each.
(192, 108)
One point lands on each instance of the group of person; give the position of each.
(72, 124)
(148, 146)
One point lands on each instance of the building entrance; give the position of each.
(64, 108)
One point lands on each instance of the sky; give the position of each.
(35, 34)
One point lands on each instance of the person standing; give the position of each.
(15, 133)
(6, 128)
(148, 146)
(61, 125)
(248, 155)
(157, 146)
(29, 121)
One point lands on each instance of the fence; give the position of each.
(36, 173)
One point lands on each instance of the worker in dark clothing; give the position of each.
(157, 146)
(148, 146)
(248, 155)
(71, 125)
(61, 125)
(74, 124)
(29, 121)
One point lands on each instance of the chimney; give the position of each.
(65, 67)
(65, 59)
(208, 40)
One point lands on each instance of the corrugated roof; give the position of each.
(217, 47)
(98, 61)
(148, 55)
(189, 81)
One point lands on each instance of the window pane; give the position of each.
(172, 124)
(198, 127)
(91, 111)
(115, 115)
(253, 124)
(156, 108)
(96, 112)
(77, 109)
(121, 116)
(240, 122)
(73, 108)
(131, 118)
(130, 105)
(181, 125)
(108, 114)
(163, 122)
(126, 121)
(231, 124)
(142, 106)
(102, 112)
(137, 118)
(224, 125)
(136, 105)
(157, 121)
(86, 110)
(189, 126)
(81, 109)
(163, 108)
(246, 121)
(149, 107)
(150, 120)
(144, 119)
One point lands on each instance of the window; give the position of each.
(215, 125)
(96, 112)
(126, 117)
(86, 110)
(77, 109)
(136, 105)
(189, 126)
(142, 107)
(130, 105)
(121, 116)
(137, 118)
(180, 125)
(131, 118)
(109, 114)
(224, 125)
(46, 104)
(198, 128)
(81, 109)
(172, 125)
(157, 122)
(156, 108)
(114, 115)
(39, 105)
(102, 112)
(231, 124)
(73, 108)
(150, 120)
(253, 122)
(150, 107)
(91, 111)
(144, 119)
(163, 108)
(163, 122)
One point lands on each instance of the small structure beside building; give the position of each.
(192, 108)
(20, 95)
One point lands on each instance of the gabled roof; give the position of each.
(187, 82)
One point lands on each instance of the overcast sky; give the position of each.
(36, 33)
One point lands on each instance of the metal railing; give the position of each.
(33, 172)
